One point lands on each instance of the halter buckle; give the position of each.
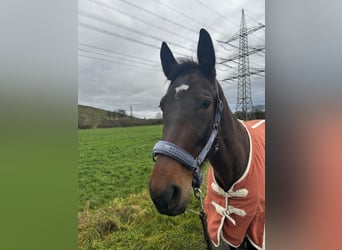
(154, 157)
(216, 126)
(198, 194)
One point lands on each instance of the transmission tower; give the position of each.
(244, 96)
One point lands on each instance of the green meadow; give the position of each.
(115, 210)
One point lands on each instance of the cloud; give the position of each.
(119, 43)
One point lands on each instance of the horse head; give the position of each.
(189, 109)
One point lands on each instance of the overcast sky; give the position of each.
(119, 43)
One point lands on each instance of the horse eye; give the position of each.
(205, 104)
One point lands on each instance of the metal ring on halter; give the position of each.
(197, 192)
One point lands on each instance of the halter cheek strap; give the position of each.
(175, 152)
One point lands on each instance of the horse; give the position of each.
(197, 125)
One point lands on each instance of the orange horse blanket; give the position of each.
(240, 211)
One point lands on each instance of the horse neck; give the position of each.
(230, 161)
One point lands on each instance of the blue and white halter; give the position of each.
(193, 163)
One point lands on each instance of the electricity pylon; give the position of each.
(244, 97)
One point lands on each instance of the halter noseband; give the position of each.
(173, 151)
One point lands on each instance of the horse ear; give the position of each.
(206, 54)
(167, 60)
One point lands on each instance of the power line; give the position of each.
(119, 53)
(116, 52)
(236, 62)
(250, 30)
(84, 25)
(238, 75)
(112, 8)
(115, 57)
(229, 50)
(250, 13)
(238, 54)
(209, 8)
(121, 63)
(123, 37)
(117, 62)
(220, 69)
(159, 16)
(140, 61)
(184, 15)
(106, 21)
(227, 2)
(116, 35)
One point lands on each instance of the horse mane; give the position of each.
(183, 67)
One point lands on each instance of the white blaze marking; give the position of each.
(180, 88)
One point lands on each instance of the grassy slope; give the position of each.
(90, 117)
(115, 211)
(89, 111)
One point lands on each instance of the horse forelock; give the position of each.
(185, 66)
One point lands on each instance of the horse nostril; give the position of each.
(171, 197)
(167, 200)
(175, 193)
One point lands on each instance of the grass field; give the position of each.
(115, 210)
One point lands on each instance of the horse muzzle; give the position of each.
(170, 186)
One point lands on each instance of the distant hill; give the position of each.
(90, 117)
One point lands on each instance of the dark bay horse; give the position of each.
(199, 125)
